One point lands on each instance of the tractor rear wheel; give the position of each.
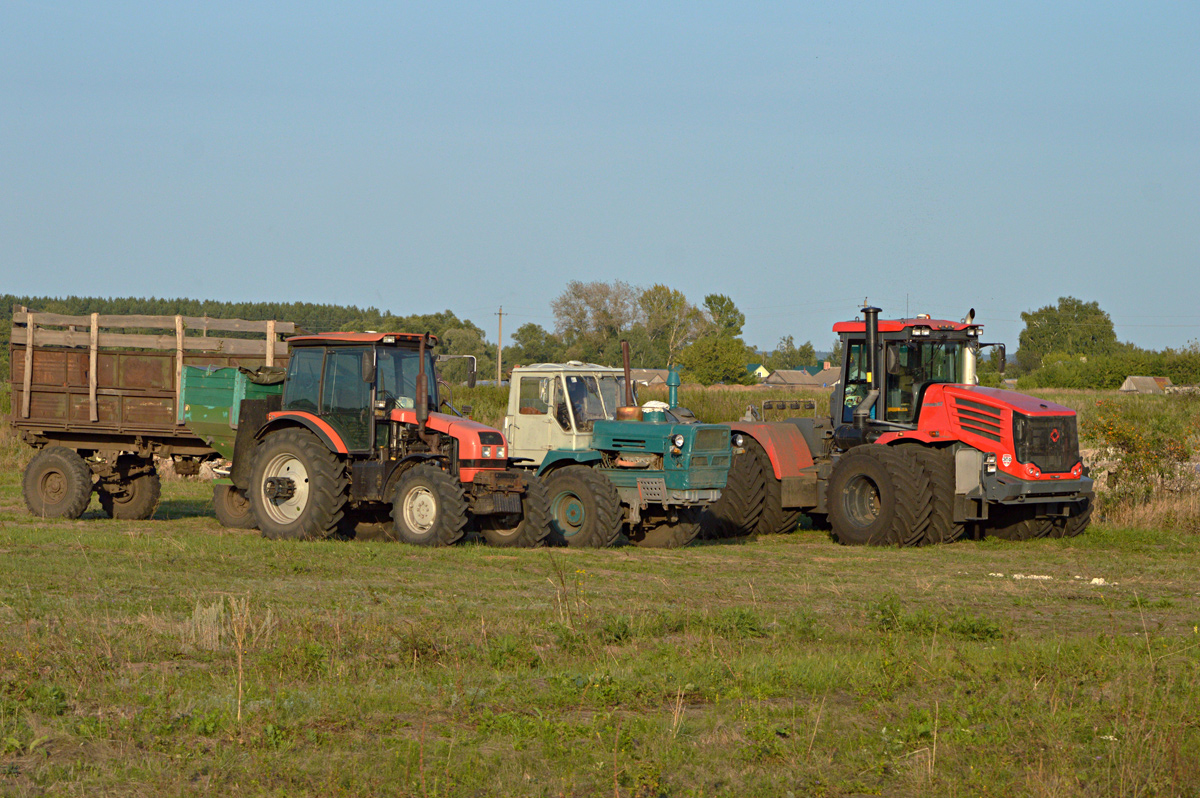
(1017, 523)
(736, 513)
(877, 496)
(663, 534)
(428, 508)
(939, 467)
(57, 483)
(526, 529)
(775, 519)
(297, 487)
(232, 508)
(585, 510)
(136, 497)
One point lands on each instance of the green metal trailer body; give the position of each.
(211, 401)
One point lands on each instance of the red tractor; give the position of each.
(356, 436)
(913, 451)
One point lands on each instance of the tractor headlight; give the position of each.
(739, 440)
(500, 452)
(989, 462)
(677, 440)
(487, 451)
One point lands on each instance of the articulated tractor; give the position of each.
(913, 451)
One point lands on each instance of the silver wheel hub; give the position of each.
(420, 509)
(286, 509)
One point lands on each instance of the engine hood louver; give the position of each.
(978, 418)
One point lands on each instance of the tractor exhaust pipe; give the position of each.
(863, 412)
(421, 399)
(630, 411)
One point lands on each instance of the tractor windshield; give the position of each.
(910, 366)
(396, 379)
(593, 398)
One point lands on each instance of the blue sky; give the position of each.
(797, 157)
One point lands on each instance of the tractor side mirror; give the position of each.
(1003, 360)
(471, 377)
(368, 367)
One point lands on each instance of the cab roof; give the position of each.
(899, 325)
(570, 365)
(320, 339)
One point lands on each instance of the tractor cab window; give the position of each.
(396, 377)
(910, 366)
(534, 396)
(583, 401)
(858, 379)
(303, 388)
(612, 391)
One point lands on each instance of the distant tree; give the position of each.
(1072, 327)
(671, 322)
(835, 353)
(533, 344)
(592, 317)
(724, 316)
(788, 356)
(717, 358)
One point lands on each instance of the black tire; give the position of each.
(57, 484)
(319, 483)
(1016, 523)
(137, 500)
(774, 518)
(232, 508)
(736, 513)
(1075, 524)
(939, 467)
(877, 496)
(428, 508)
(662, 534)
(530, 527)
(585, 510)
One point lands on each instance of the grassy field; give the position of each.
(174, 657)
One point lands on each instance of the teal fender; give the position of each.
(561, 457)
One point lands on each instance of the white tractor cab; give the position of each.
(608, 463)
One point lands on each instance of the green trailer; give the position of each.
(224, 407)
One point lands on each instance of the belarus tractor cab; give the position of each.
(608, 463)
(358, 433)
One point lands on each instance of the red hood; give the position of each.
(445, 423)
(1020, 402)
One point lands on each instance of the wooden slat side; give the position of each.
(94, 347)
(166, 343)
(30, 326)
(156, 322)
(178, 366)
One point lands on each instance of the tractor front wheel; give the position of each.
(585, 510)
(737, 512)
(428, 508)
(530, 527)
(665, 534)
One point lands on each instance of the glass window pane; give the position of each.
(304, 379)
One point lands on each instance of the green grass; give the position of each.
(786, 665)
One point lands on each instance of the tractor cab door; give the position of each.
(911, 366)
(535, 430)
(856, 382)
(346, 397)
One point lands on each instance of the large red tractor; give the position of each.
(913, 451)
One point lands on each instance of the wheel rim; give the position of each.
(420, 509)
(861, 500)
(290, 509)
(53, 486)
(569, 513)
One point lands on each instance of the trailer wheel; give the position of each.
(585, 510)
(57, 483)
(877, 496)
(137, 498)
(662, 534)
(428, 508)
(1073, 525)
(530, 527)
(736, 513)
(306, 484)
(232, 508)
(939, 467)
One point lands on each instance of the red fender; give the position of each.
(783, 443)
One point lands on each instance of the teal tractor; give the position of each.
(608, 465)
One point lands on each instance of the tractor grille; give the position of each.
(978, 418)
(1049, 442)
(708, 440)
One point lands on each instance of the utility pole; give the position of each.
(499, 345)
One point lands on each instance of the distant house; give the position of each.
(811, 377)
(649, 377)
(759, 371)
(1154, 385)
